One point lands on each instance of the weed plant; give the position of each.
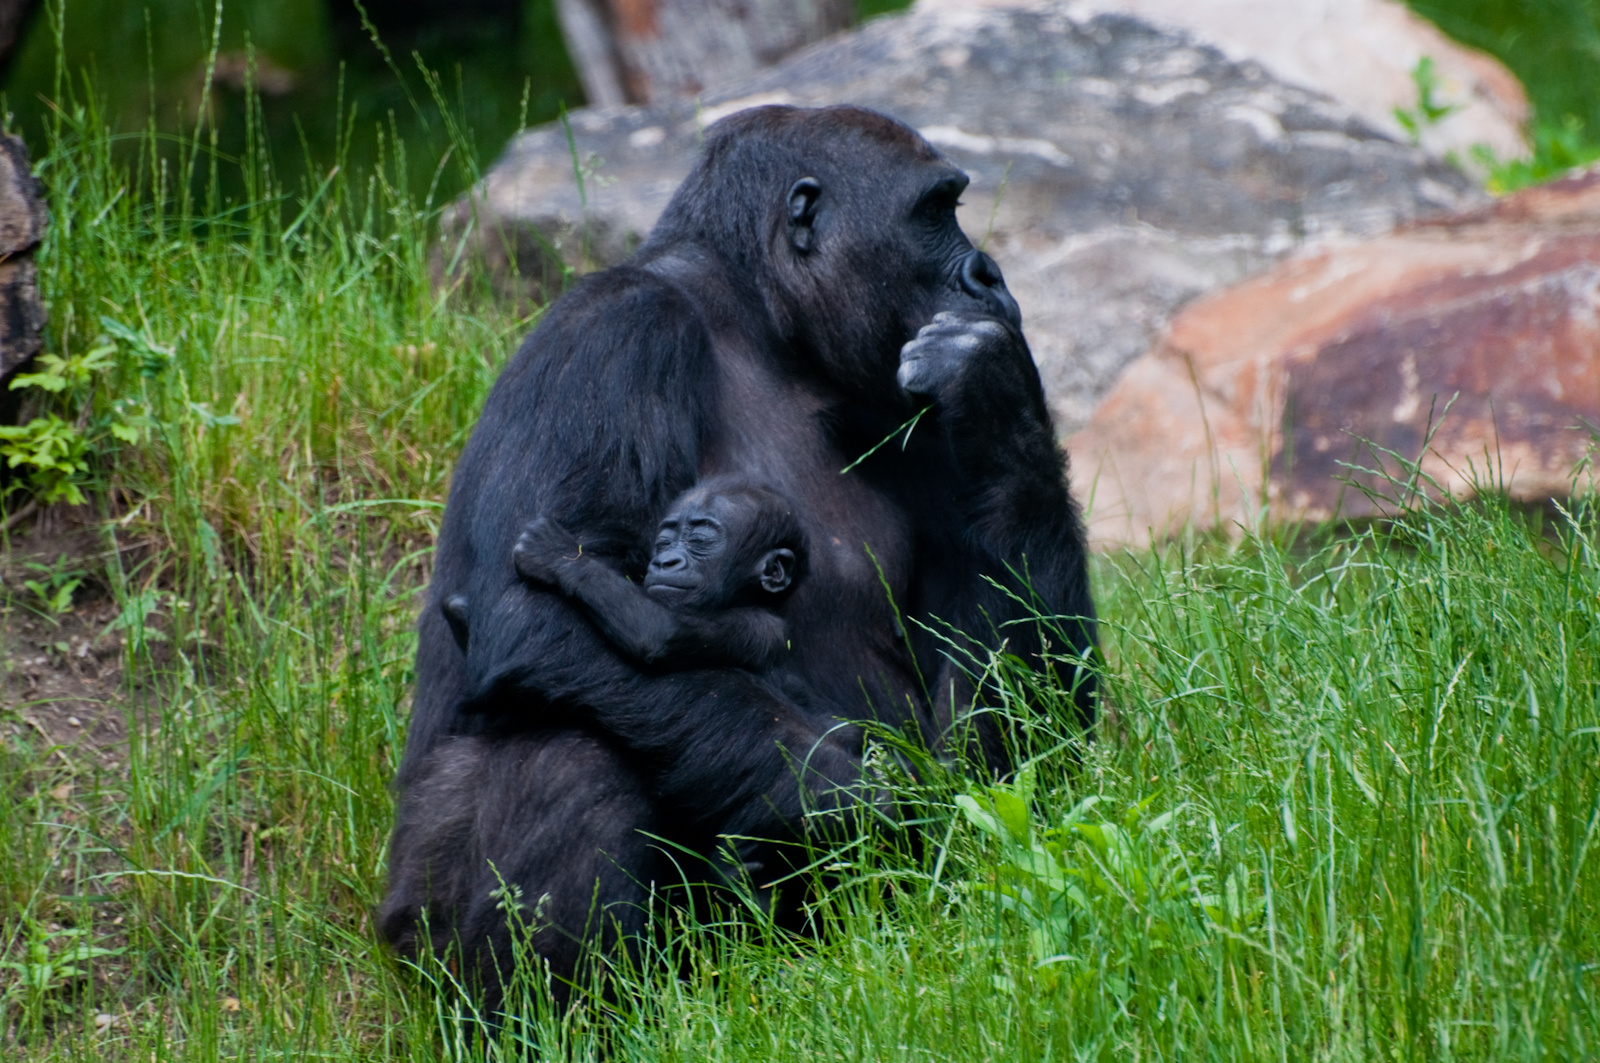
(1344, 804)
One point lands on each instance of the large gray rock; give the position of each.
(1119, 170)
(1361, 52)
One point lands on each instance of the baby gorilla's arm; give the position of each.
(738, 637)
(645, 630)
(547, 553)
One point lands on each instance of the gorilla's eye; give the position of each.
(703, 533)
(942, 198)
(935, 208)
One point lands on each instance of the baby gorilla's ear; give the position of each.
(777, 570)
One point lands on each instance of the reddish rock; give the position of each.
(1472, 342)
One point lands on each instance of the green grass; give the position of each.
(148, 58)
(1553, 47)
(1346, 805)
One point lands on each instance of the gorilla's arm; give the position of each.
(596, 417)
(1023, 530)
(644, 629)
(601, 417)
(722, 749)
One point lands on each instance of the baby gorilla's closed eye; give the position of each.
(722, 544)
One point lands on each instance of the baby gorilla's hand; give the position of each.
(542, 549)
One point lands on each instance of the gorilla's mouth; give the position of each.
(668, 589)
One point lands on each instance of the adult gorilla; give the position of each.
(805, 292)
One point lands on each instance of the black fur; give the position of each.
(806, 292)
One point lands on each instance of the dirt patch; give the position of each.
(63, 679)
(60, 670)
(63, 730)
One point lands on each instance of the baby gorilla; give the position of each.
(726, 554)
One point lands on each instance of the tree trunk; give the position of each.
(22, 222)
(646, 51)
(14, 16)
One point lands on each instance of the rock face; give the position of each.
(1472, 342)
(1360, 52)
(647, 51)
(22, 222)
(1119, 170)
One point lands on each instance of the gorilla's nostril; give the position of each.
(979, 274)
(981, 279)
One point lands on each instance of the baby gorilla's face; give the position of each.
(707, 554)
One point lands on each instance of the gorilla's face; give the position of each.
(716, 548)
(963, 277)
(840, 223)
(871, 249)
(690, 558)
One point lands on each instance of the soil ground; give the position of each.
(61, 674)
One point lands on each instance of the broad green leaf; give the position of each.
(1013, 812)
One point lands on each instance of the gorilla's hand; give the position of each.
(976, 371)
(543, 549)
(959, 351)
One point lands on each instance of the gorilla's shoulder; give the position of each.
(616, 377)
(624, 318)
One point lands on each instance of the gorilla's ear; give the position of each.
(803, 198)
(777, 570)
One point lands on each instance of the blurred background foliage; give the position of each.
(502, 63)
(1553, 46)
(316, 69)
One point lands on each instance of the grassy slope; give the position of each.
(1381, 756)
